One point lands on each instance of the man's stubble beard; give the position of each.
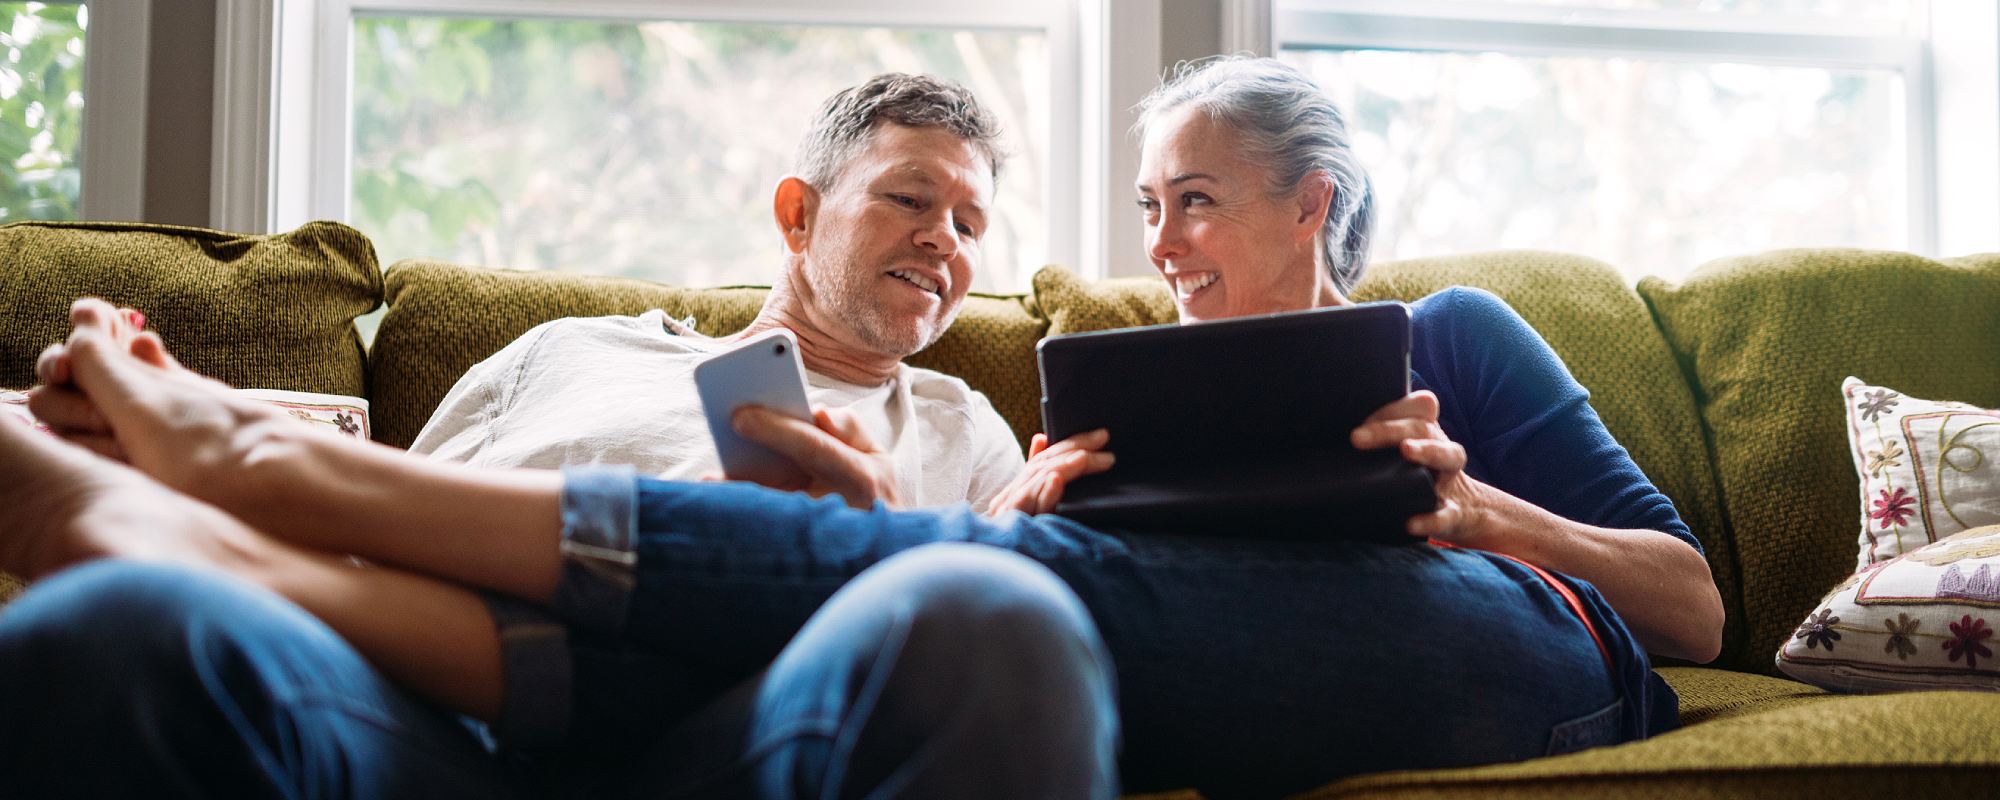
(846, 291)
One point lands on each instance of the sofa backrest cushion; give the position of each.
(1767, 340)
(443, 318)
(1582, 307)
(267, 312)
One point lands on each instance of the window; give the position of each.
(1651, 134)
(646, 149)
(630, 137)
(41, 110)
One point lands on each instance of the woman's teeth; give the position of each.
(1188, 285)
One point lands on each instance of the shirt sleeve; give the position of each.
(1527, 425)
(464, 422)
(999, 457)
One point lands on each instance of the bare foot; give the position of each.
(60, 505)
(115, 390)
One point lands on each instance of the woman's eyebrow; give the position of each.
(1175, 181)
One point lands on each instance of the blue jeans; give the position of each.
(123, 679)
(1245, 666)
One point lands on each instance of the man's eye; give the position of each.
(1194, 198)
(904, 199)
(1147, 204)
(965, 230)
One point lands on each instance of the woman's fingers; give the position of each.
(52, 366)
(1422, 404)
(1439, 524)
(1049, 495)
(1043, 479)
(1443, 455)
(1086, 441)
(1037, 443)
(67, 411)
(1382, 433)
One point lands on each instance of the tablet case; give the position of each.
(1240, 427)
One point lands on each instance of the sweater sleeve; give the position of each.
(1525, 422)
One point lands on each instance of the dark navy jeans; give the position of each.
(948, 671)
(1246, 666)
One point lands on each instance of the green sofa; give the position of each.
(1723, 387)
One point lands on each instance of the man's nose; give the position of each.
(938, 234)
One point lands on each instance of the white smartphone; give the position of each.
(764, 370)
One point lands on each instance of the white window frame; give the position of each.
(284, 77)
(112, 155)
(1953, 212)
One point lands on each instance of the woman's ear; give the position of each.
(1314, 196)
(794, 205)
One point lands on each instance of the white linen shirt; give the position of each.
(620, 390)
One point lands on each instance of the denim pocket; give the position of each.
(1595, 729)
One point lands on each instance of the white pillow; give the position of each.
(1929, 469)
(1923, 620)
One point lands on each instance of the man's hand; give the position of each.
(1050, 469)
(1410, 425)
(833, 451)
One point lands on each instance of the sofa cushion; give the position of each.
(1767, 737)
(1598, 325)
(1767, 340)
(443, 318)
(269, 312)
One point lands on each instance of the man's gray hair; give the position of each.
(846, 122)
(1287, 123)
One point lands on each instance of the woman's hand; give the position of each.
(835, 454)
(1410, 425)
(1039, 486)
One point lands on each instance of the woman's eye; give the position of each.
(1194, 198)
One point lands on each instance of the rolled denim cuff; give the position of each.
(600, 519)
(535, 674)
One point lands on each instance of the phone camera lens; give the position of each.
(780, 349)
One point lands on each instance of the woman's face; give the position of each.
(1226, 247)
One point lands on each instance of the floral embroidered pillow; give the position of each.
(1922, 620)
(340, 413)
(1928, 469)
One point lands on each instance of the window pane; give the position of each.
(1870, 9)
(1652, 166)
(41, 110)
(645, 149)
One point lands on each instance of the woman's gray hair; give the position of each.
(1287, 123)
(846, 122)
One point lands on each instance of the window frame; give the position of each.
(1542, 31)
(285, 68)
(112, 150)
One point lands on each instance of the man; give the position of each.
(881, 226)
(201, 653)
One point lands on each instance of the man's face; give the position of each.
(896, 239)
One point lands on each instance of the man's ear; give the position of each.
(1315, 194)
(794, 205)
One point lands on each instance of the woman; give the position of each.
(1244, 667)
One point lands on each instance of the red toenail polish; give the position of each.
(138, 319)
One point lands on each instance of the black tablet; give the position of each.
(1239, 426)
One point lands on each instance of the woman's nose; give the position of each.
(1166, 240)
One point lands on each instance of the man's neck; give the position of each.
(822, 351)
